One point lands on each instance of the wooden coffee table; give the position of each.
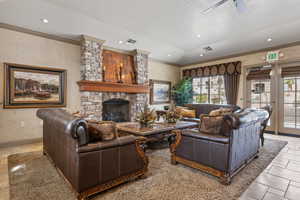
(156, 133)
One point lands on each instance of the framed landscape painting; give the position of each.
(160, 92)
(34, 87)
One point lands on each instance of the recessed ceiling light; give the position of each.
(269, 39)
(201, 54)
(120, 42)
(198, 35)
(169, 55)
(46, 21)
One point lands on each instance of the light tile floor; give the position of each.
(279, 181)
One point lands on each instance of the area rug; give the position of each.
(32, 177)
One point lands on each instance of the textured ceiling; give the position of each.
(166, 28)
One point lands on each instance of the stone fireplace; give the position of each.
(96, 100)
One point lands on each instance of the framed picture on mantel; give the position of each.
(34, 87)
(160, 92)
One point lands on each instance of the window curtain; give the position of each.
(231, 83)
(290, 71)
(231, 72)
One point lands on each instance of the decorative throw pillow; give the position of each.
(77, 114)
(220, 112)
(102, 131)
(186, 112)
(211, 125)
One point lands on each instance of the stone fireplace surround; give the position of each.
(91, 70)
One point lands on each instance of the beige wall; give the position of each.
(164, 72)
(22, 48)
(290, 54)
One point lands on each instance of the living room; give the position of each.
(102, 101)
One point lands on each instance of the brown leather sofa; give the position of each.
(206, 109)
(222, 155)
(89, 167)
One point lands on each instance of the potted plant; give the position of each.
(182, 92)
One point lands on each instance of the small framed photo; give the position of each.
(160, 92)
(34, 87)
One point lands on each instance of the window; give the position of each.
(291, 91)
(209, 90)
(260, 93)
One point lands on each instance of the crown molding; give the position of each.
(40, 34)
(90, 38)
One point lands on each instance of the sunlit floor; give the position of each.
(279, 181)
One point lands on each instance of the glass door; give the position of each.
(289, 106)
(259, 95)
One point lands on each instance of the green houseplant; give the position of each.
(182, 92)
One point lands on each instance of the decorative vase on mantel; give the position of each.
(146, 117)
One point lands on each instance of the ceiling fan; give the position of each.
(239, 4)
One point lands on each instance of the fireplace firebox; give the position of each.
(116, 110)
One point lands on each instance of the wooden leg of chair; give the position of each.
(173, 162)
(144, 176)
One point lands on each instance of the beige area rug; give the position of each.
(32, 177)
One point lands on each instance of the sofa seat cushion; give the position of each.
(200, 135)
(120, 141)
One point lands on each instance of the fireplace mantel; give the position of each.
(98, 86)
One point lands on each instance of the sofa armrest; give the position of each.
(65, 123)
(121, 141)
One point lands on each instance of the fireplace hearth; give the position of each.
(116, 110)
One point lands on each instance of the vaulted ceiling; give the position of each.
(169, 29)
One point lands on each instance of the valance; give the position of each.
(213, 70)
(259, 74)
(290, 71)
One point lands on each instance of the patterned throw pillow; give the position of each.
(211, 125)
(220, 112)
(186, 112)
(102, 131)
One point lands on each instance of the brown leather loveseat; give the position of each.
(221, 154)
(89, 167)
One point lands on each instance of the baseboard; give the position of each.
(283, 134)
(20, 142)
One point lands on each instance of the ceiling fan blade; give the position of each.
(240, 5)
(219, 3)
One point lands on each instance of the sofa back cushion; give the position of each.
(207, 108)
